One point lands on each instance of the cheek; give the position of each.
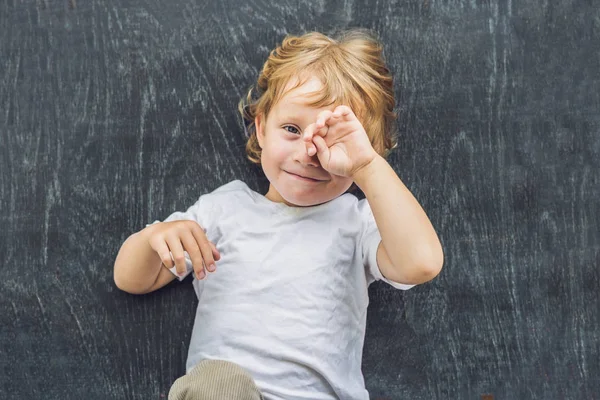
(279, 151)
(282, 153)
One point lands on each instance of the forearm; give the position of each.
(407, 235)
(137, 265)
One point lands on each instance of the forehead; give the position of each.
(302, 93)
(302, 97)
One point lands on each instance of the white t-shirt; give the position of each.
(288, 301)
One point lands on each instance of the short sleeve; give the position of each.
(369, 243)
(203, 213)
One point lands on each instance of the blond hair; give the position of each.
(352, 70)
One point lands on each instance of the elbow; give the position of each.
(118, 276)
(429, 266)
(425, 275)
(124, 285)
(416, 274)
(434, 263)
(119, 282)
(419, 267)
(129, 289)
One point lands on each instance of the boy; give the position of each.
(283, 316)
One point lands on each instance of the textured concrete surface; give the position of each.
(116, 113)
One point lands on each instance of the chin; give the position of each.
(304, 200)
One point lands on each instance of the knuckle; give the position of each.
(192, 225)
(198, 229)
(197, 262)
(195, 254)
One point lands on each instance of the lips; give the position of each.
(306, 176)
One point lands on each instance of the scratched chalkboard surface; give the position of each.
(117, 113)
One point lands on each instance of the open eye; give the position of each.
(291, 129)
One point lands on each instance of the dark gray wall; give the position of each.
(116, 113)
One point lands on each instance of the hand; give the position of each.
(340, 142)
(176, 236)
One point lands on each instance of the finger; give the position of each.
(322, 118)
(321, 148)
(205, 248)
(190, 245)
(335, 119)
(321, 130)
(165, 254)
(311, 149)
(177, 252)
(216, 253)
(308, 135)
(342, 111)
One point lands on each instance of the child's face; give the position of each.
(284, 158)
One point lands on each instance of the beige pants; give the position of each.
(215, 380)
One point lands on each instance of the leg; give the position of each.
(215, 380)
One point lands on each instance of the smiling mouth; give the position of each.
(304, 178)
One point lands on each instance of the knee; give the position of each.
(215, 380)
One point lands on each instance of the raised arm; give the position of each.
(410, 251)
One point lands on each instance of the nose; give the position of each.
(303, 158)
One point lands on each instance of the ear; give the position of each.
(260, 133)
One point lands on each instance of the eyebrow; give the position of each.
(292, 112)
(290, 116)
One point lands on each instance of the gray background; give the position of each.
(116, 113)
